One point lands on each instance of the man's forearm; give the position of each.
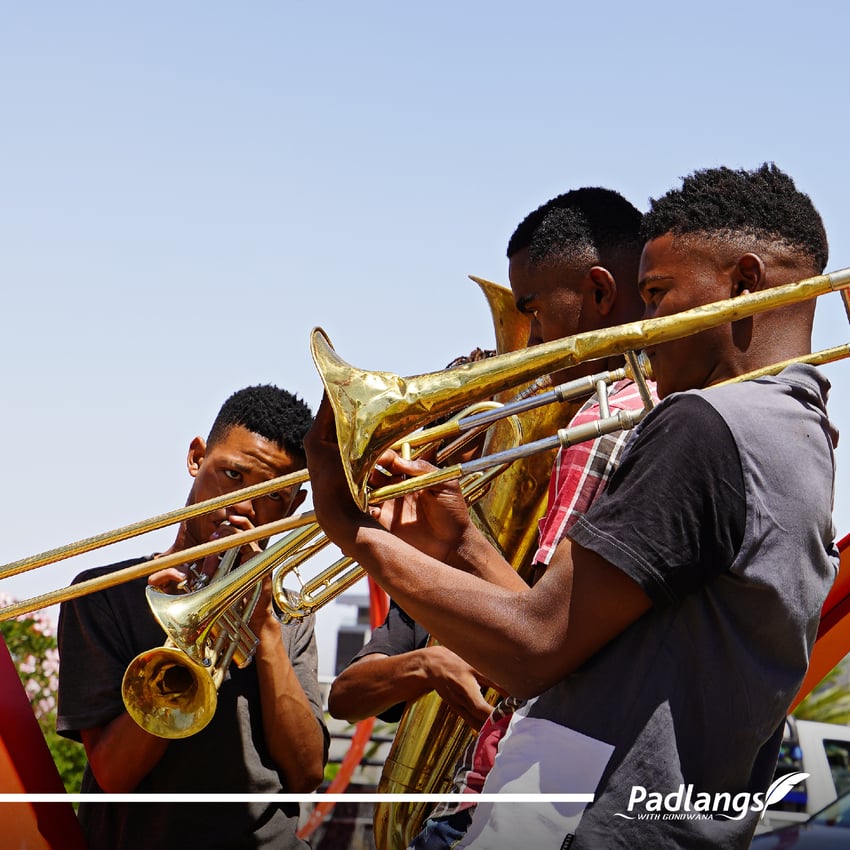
(377, 682)
(293, 733)
(121, 753)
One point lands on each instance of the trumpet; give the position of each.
(172, 692)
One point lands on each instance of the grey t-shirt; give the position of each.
(721, 511)
(98, 637)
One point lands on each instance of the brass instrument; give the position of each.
(430, 737)
(98, 541)
(173, 693)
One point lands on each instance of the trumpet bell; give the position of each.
(168, 694)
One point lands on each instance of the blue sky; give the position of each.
(188, 188)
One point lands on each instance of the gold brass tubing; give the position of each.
(450, 473)
(187, 618)
(817, 358)
(213, 547)
(419, 482)
(154, 523)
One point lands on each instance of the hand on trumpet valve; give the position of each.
(262, 615)
(187, 578)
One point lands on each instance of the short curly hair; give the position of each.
(762, 205)
(582, 225)
(269, 411)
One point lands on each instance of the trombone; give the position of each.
(375, 411)
(372, 409)
(470, 422)
(187, 618)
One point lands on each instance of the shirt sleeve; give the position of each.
(94, 637)
(673, 514)
(396, 635)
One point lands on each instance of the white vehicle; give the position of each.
(823, 751)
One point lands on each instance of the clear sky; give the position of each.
(188, 188)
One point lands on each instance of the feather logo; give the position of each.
(781, 787)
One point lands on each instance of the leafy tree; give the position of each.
(829, 702)
(31, 639)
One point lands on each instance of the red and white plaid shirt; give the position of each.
(578, 477)
(582, 470)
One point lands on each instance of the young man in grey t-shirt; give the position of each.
(668, 635)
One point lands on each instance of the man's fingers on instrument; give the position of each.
(171, 577)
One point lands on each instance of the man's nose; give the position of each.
(244, 508)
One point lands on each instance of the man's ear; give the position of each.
(749, 274)
(197, 453)
(604, 289)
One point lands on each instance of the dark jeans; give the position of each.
(443, 833)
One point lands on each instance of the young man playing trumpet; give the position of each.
(267, 734)
(663, 644)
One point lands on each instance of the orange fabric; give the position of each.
(833, 640)
(26, 766)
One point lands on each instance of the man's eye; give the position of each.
(233, 475)
(275, 497)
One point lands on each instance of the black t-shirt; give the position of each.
(99, 635)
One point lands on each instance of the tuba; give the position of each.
(430, 737)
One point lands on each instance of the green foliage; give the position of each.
(829, 702)
(331, 770)
(31, 640)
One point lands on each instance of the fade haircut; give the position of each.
(584, 225)
(269, 411)
(762, 205)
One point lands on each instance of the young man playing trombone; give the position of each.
(573, 266)
(667, 637)
(267, 734)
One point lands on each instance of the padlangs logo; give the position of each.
(688, 804)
